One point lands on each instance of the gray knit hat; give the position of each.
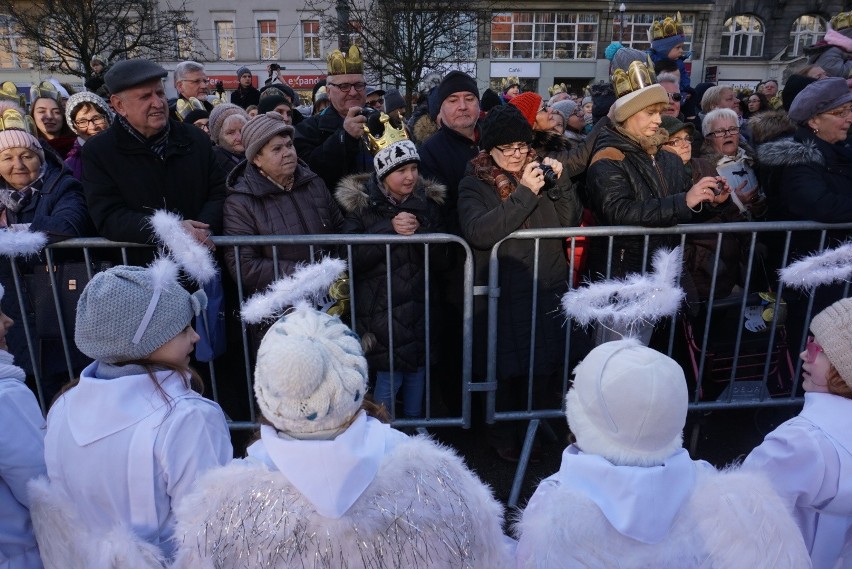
(260, 130)
(832, 330)
(311, 374)
(126, 313)
(218, 115)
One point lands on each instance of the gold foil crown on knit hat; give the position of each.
(638, 76)
(349, 64)
(390, 135)
(12, 119)
(841, 21)
(667, 28)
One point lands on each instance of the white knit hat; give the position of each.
(628, 404)
(311, 374)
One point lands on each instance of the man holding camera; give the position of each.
(330, 142)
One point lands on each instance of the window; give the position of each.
(311, 39)
(544, 35)
(742, 36)
(806, 30)
(11, 45)
(632, 29)
(225, 47)
(267, 35)
(184, 32)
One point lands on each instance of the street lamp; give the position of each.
(621, 9)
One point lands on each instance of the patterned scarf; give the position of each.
(157, 143)
(488, 171)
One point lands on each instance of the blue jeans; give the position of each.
(411, 382)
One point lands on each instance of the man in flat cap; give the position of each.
(145, 161)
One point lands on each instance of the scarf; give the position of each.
(8, 369)
(157, 143)
(503, 182)
(650, 144)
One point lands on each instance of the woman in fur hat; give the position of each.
(808, 458)
(327, 485)
(126, 442)
(394, 200)
(628, 494)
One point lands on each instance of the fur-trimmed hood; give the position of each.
(789, 152)
(769, 126)
(354, 192)
(546, 142)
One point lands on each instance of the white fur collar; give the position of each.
(8, 369)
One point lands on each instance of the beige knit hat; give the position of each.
(218, 116)
(632, 103)
(19, 139)
(832, 330)
(260, 130)
(311, 374)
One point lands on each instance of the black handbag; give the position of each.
(71, 278)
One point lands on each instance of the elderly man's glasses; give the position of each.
(511, 150)
(197, 81)
(723, 132)
(346, 87)
(841, 113)
(812, 350)
(685, 141)
(98, 120)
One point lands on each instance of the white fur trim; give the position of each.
(21, 243)
(831, 265)
(308, 282)
(194, 258)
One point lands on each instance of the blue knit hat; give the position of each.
(663, 46)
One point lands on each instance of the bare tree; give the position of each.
(64, 35)
(402, 41)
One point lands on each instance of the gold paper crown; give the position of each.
(389, 136)
(667, 28)
(9, 92)
(558, 88)
(509, 81)
(349, 64)
(45, 89)
(637, 76)
(11, 119)
(841, 21)
(186, 106)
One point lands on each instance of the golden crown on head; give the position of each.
(45, 89)
(841, 21)
(508, 82)
(186, 106)
(667, 28)
(9, 92)
(638, 76)
(557, 88)
(389, 136)
(12, 119)
(349, 64)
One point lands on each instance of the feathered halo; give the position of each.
(195, 259)
(634, 300)
(21, 243)
(306, 285)
(829, 266)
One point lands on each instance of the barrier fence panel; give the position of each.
(739, 348)
(229, 377)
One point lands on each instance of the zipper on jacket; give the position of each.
(659, 174)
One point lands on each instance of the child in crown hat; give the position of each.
(327, 484)
(395, 200)
(126, 443)
(809, 458)
(667, 41)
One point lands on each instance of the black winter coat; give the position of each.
(245, 97)
(256, 206)
(627, 186)
(485, 220)
(328, 149)
(444, 157)
(369, 211)
(124, 181)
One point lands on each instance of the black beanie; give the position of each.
(603, 97)
(490, 99)
(455, 82)
(196, 114)
(504, 124)
(792, 87)
(269, 103)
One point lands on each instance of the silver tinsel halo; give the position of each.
(829, 266)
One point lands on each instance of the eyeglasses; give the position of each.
(723, 132)
(812, 350)
(197, 81)
(676, 97)
(376, 103)
(685, 141)
(842, 113)
(346, 87)
(97, 120)
(510, 150)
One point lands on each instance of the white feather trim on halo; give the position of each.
(194, 258)
(831, 265)
(163, 271)
(21, 243)
(308, 282)
(632, 300)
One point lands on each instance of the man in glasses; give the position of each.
(191, 81)
(375, 99)
(330, 141)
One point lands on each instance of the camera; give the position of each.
(274, 67)
(549, 176)
(720, 187)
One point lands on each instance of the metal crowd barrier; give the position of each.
(736, 391)
(752, 391)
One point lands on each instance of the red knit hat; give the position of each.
(528, 103)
